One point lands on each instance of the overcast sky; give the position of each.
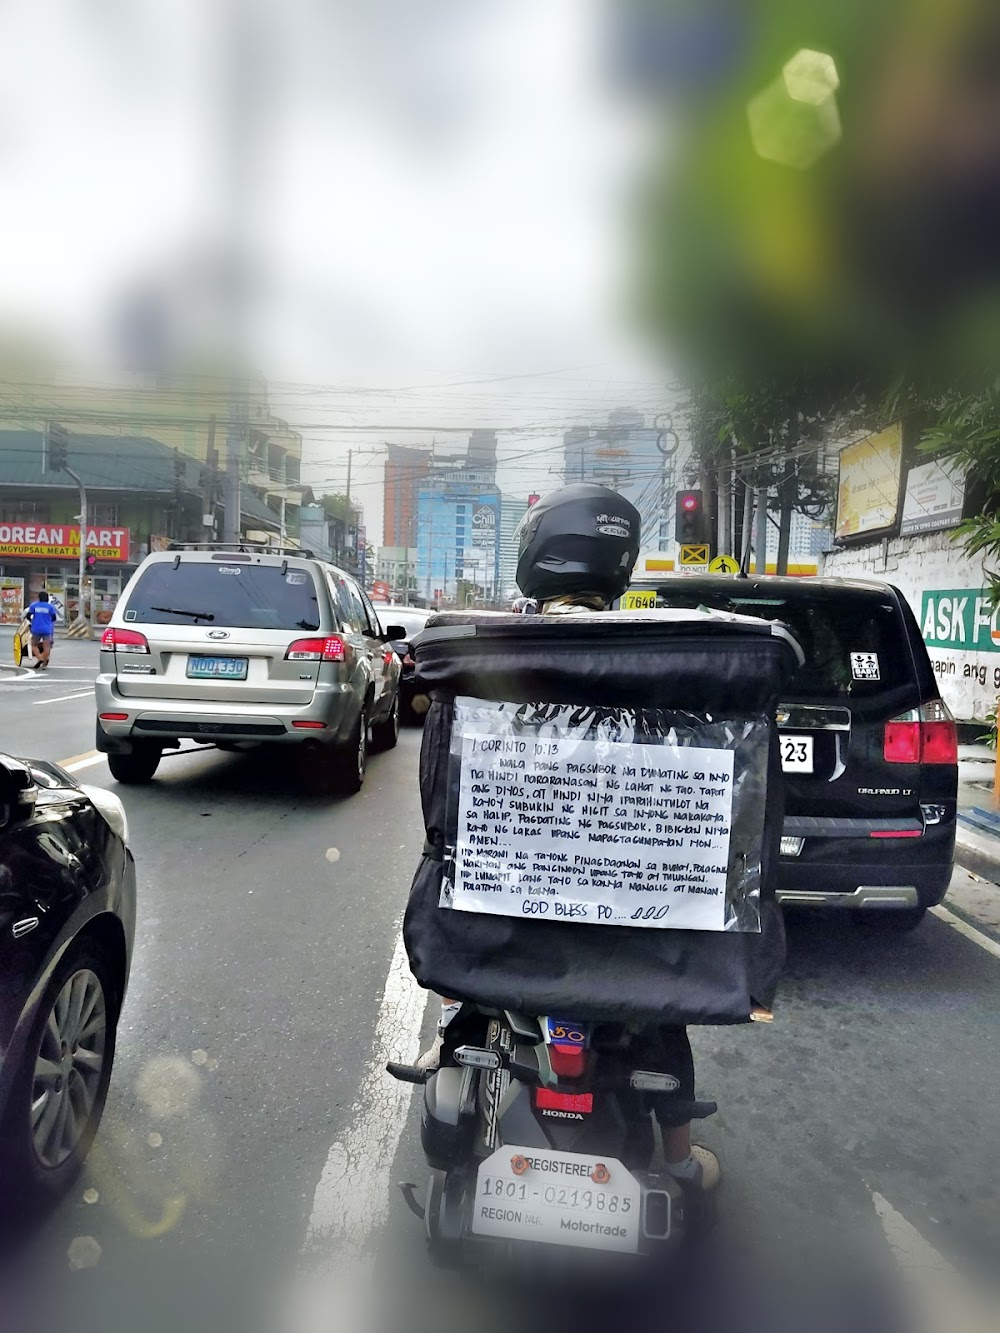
(429, 195)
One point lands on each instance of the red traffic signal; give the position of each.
(691, 527)
(533, 498)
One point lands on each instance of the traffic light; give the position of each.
(56, 442)
(691, 527)
(533, 498)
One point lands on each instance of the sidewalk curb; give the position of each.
(977, 852)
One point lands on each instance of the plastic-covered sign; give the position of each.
(645, 818)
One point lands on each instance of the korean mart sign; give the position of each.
(960, 619)
(61, 541)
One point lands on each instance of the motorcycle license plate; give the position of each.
(558, 1198)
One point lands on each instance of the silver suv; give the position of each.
(238, 646)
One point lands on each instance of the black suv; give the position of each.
(869, 749)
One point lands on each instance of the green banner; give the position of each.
(959, 618)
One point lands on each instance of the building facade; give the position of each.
(140, 497)
(458, 524)
(404, 472)
(512, 510)
(625, 455)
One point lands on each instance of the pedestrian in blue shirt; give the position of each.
(41, 616)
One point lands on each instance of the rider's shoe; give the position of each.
(431, 1058)
(701, 1169)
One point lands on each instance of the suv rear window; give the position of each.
(846, 638)
(196, 592)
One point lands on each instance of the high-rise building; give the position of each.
(458, 522)
(405, 470)
(512, 510)
(624, 455)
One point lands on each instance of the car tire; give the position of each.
(897, 922)
(67, 1060)
(385, 734)
(351, 759)
(137, 768)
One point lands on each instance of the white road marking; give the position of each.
(86, 761)
(352, 1198)
(941, 1296)
(970, 932)
(80, 694)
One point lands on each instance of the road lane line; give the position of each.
(970, 932)
(351, 1201)
(60, 698)
(942, 1297)
(87, 760)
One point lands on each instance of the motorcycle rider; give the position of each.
(576, 550)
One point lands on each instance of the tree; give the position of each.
(825, 232)
(339, 506)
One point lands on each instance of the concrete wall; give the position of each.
(946, 587)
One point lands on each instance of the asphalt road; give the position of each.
(245, 1174)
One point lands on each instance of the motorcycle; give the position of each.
(539, 1131)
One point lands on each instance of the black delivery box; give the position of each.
(602, 799)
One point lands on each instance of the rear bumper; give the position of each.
(168, 720)
(870, 873)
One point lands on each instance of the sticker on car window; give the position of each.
(864, 666)
(296, 577)
(230, 569)
(131, 615)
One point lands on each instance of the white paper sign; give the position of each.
(600, 832)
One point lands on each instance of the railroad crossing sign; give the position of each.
(693, 557)
(724, 564)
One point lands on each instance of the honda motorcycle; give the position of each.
(539, 1131)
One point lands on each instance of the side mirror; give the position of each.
(18, 791)
(394, 632)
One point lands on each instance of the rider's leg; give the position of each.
(685, 1161)
(431, 1058)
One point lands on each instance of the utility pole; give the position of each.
(786, 496)
(231, 478)
(208, 484)
(760, 544)
(350, 453)
(81, 623)
(55, 458)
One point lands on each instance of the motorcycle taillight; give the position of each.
(547, 1100)
(568, 1061)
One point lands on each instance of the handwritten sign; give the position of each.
(597, 832)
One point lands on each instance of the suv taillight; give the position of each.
(124, 641)
(925, 735)
(329, 649)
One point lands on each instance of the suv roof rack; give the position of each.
(242, 546)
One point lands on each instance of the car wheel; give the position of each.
(351, 759)
(135, 768)
(386, 734)
(891, 922)
(58, 1094)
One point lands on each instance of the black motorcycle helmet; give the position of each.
(580, 539)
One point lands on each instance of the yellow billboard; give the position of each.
(868, 496)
